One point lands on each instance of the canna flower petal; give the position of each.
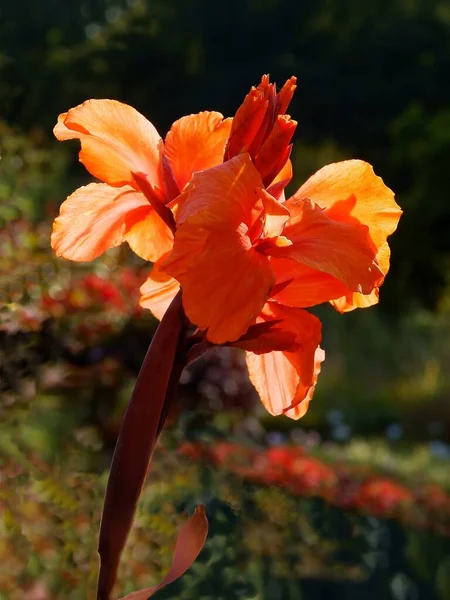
(93, 219)
(350, 190)
(116, 140)
(147, 234)
(225, 281)
(228, 193)
(286, 94)
(261, 128)
(249, 118)
(158, 291)
(275, 215)
(301, 409)
(304, 286)
(341, 249)
(275, 151)
(284, 378)
(195, 143)
(352, 300)
(276, 188)
(265, 336)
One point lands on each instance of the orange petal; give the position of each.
(227, 192)
(283, 378)
(304, 286)
(147, 234)
(93, 219)
(195, 143)
(351, 300)
(248, 119)
(225, 282)
(158, 291)
(61, 132)
(190, 542)
(353, 181)
(277, 186)
(275, 215)
(115, 141)
(299, 411)
(343, 250)
(286, 94)
(272, 156)
(270, 95)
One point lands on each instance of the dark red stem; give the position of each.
(145, 416)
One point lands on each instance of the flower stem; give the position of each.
(156, 384)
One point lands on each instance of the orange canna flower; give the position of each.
(140, 175)
(244, 256)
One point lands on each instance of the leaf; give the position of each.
(190, 541)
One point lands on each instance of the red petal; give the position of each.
(286, 94)
(274, 152)
(248, 119)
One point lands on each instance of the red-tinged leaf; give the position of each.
(190, 541)
(141, 426)
(254, 331)
(265, 337)
(197, 350)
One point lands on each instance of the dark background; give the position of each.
(373, 83)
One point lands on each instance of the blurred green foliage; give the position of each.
(263, 542)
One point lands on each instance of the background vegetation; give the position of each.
(373, 84)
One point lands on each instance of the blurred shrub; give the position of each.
(33, 176)
(279, 526)
(81, 320)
